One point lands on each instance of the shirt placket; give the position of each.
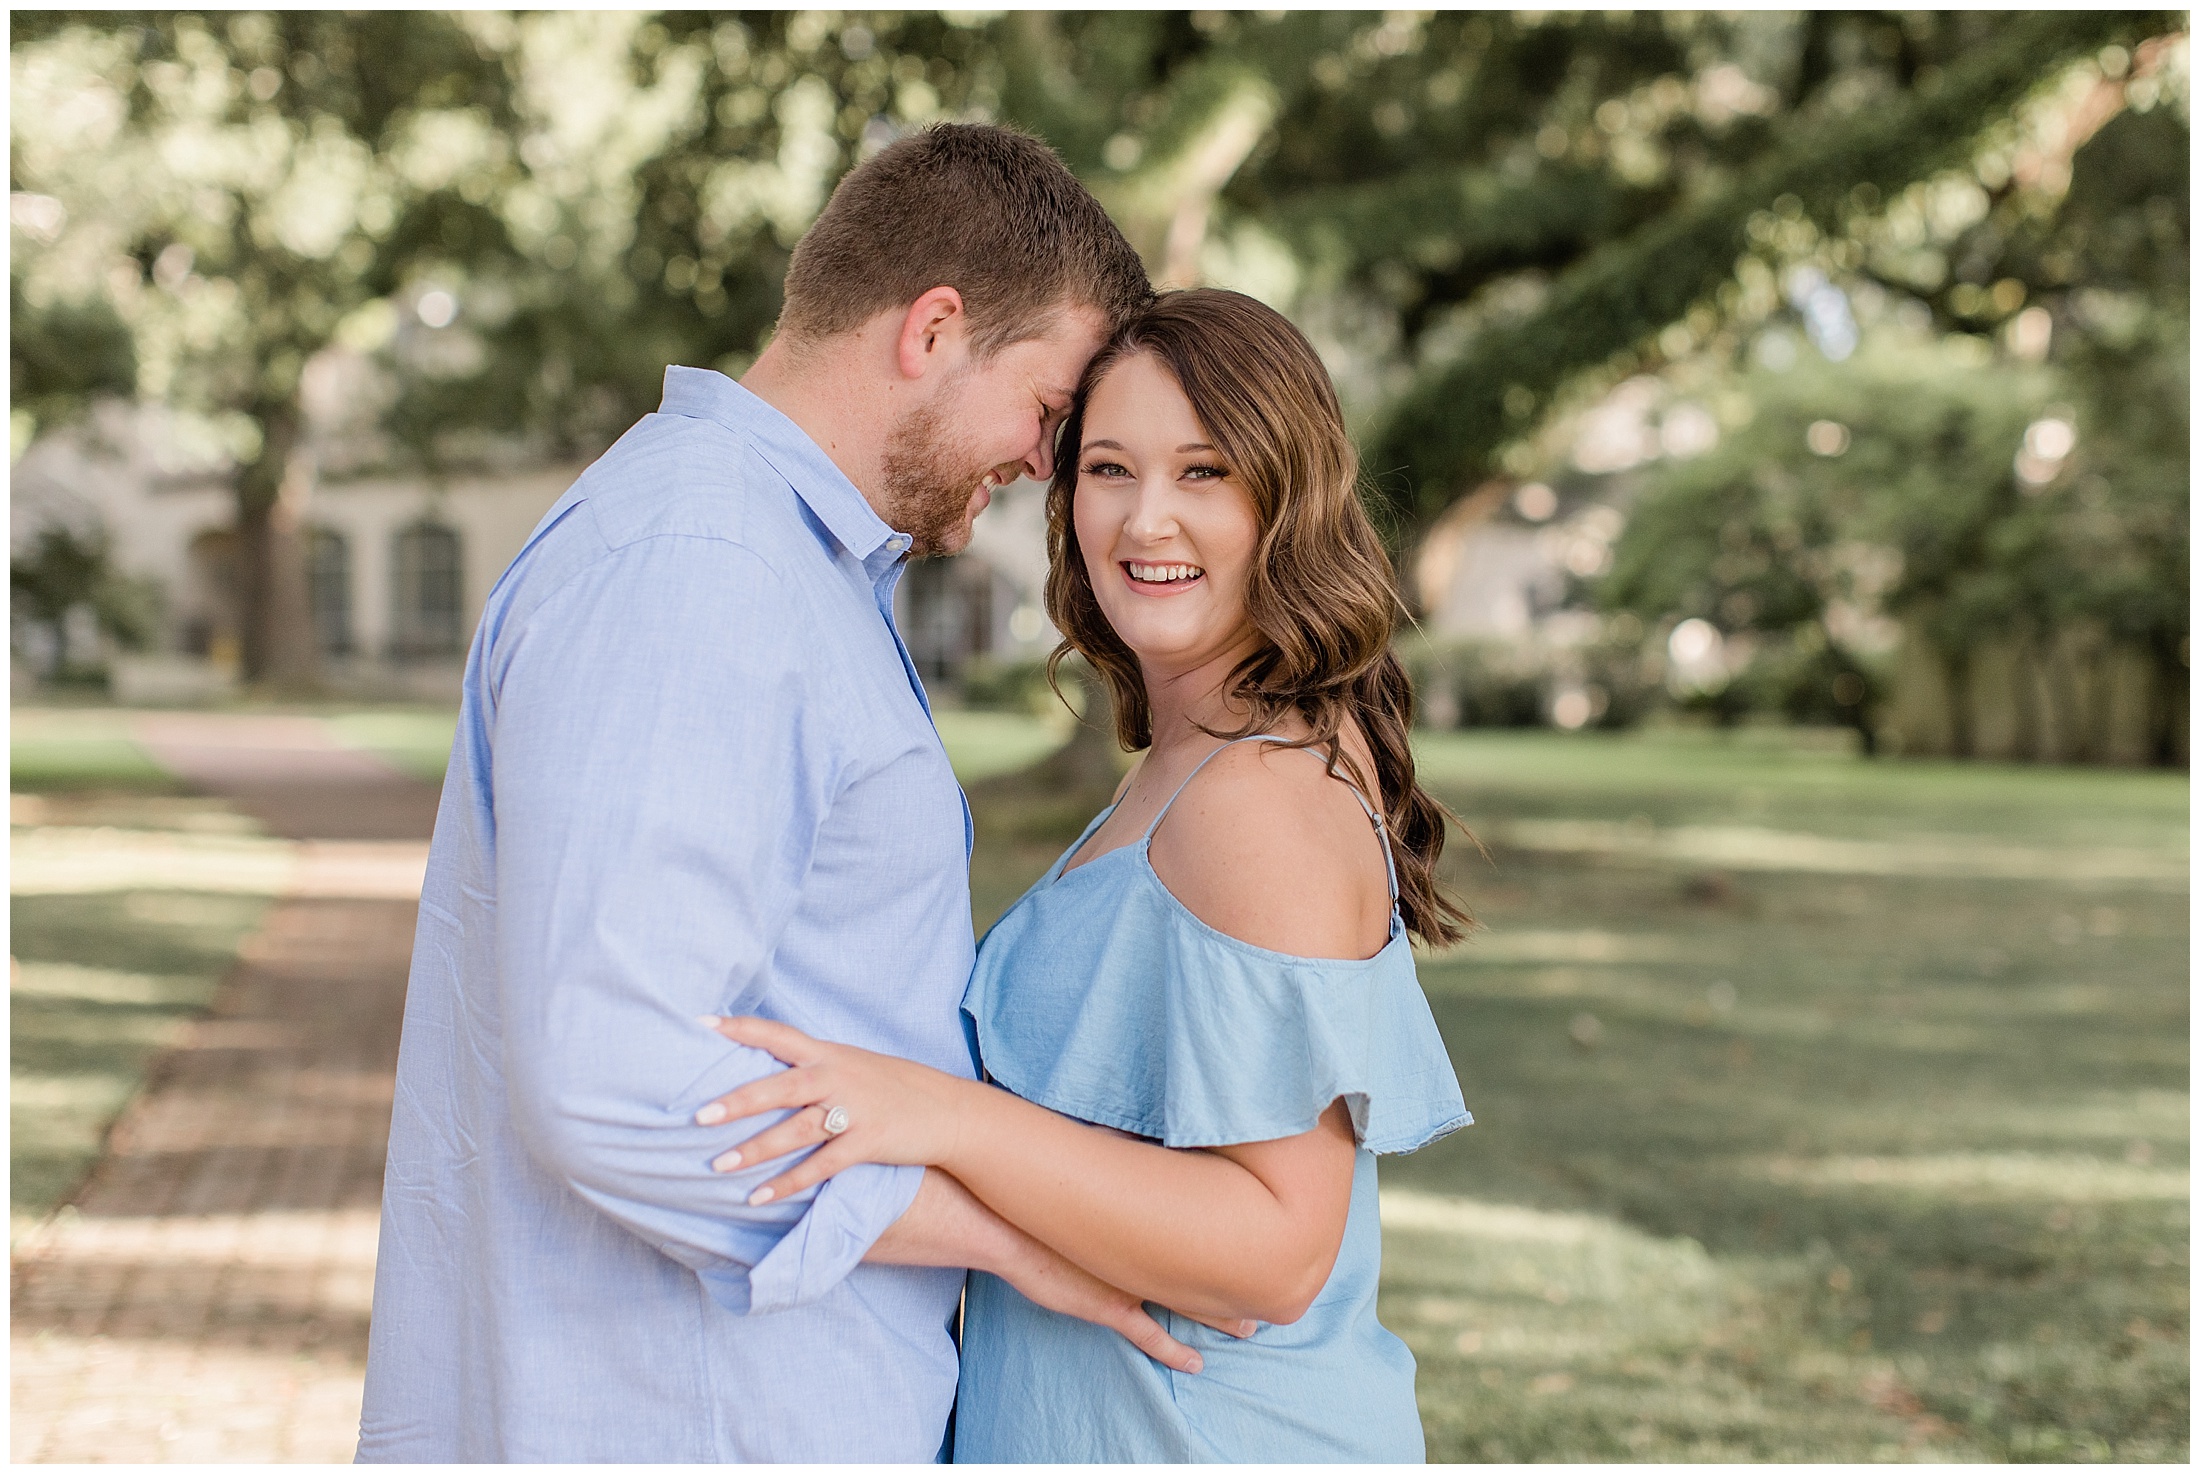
(885, 567)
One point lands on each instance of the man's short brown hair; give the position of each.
(993, 213)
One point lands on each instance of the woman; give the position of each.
(1205, 1014)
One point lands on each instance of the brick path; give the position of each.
(205, 1298)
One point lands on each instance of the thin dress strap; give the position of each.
(1382, 830)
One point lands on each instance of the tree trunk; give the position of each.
(1959, 704)
(1089, 763)
(1053, 798)
(2172, 687)
(275, 609)
(1863, 716)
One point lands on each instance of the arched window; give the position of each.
(427, 607)
(328, 585)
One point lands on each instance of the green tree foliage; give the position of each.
(1972, 493)
(61, 358)
(229, 190)
(652, 225)
(66, 569)
(1855, 491)
(1833, 144)
(1470, 211)
(2108, 539)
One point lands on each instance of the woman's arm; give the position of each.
(946, 1227)
(1219, 1233)
(1286, 858)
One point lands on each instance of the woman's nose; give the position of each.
(1151, 520)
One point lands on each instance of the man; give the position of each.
(695, 774)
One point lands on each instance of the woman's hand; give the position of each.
(948, 1226)
(897, 1111)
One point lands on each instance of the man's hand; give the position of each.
(947, 1226)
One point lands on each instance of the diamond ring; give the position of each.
(836, 1120)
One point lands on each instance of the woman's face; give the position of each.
(1168, 531)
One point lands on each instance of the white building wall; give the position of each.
(126, 470)
(492, 516)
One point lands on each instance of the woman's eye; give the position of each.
(1104, 468)
(1205, 473)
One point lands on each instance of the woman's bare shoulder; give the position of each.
(1265, 846)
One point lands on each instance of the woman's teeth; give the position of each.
(1163, 572)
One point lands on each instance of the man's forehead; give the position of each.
(1084, 328)
(1054, 357)
(1059, 358)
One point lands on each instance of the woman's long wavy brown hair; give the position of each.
(1321, 590)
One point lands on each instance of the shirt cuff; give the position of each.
(846, 1217)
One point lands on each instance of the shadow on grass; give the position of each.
(103, 982)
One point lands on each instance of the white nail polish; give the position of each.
(710, 1115)
(760, 1197)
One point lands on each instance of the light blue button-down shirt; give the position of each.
(694, 774)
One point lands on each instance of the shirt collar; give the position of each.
(706, 394)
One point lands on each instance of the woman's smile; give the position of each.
(1161, 580)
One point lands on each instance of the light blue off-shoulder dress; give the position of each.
(1099, 995)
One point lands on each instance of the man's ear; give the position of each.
(934, 332)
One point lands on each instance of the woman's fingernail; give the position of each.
(760, 1197)
(1197, 1365)
(709, 1020)
(726, 1162)
(710, 1115)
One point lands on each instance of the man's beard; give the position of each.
(929, 480)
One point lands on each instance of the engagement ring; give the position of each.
(836, 1120)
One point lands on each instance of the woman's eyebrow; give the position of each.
(1185, 449)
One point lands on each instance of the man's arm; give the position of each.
(658, 775)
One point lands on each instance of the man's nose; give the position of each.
(1039, 465)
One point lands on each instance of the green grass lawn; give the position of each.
(1788, 1165)
(73, 749)
(1772, 1163)
(413, 739)
(101, 981)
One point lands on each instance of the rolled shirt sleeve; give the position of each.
(663, 757)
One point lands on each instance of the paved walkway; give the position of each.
(205, 1298)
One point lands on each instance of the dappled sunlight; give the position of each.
(1492, 945)
(71, 861)
(1419, 1212)
(1990, 1175)
(54, 861)
(1738, 847)
(98, 984)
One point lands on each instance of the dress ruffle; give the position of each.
(1168, 1029)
